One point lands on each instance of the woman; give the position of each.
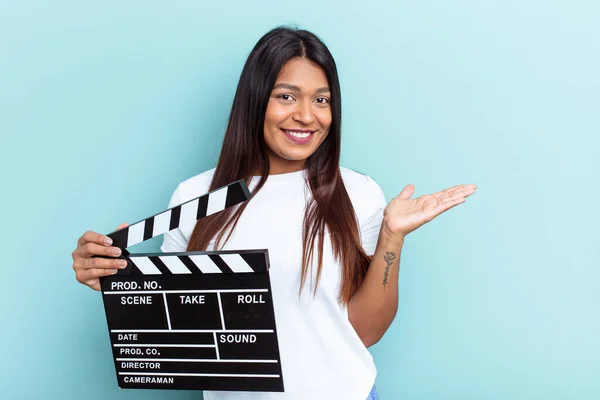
(334, 244)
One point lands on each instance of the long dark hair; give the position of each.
(244, 152)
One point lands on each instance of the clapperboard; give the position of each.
(193, 320)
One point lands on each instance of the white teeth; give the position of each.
(298, 134)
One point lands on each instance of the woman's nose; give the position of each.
(303, 113)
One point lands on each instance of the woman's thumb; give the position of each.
(408, 191)
(123, 225)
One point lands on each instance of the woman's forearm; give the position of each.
(373, 307)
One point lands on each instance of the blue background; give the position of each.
(105, 107)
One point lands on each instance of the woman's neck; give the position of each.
(279, 166)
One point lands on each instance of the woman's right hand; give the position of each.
(88, 270)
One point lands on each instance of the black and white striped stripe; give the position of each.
(207, 204)
(244, 261)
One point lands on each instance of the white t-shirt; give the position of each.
(322, 357)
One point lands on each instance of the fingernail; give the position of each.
(107, 241)
(122, 263)
(114, 271)
(116, 251)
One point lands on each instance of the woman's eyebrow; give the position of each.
(297, 89)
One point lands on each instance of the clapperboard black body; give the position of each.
(193, 320)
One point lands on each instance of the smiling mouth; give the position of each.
(298, 136)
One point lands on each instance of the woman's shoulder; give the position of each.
(365, 193)
(195, 186)
(357, 181)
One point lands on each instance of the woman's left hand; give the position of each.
(403, 214)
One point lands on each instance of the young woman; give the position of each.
(334, 244)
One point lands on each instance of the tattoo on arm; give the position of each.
(389, 259)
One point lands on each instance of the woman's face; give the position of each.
(298, 115)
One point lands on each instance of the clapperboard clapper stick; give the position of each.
(192, 320)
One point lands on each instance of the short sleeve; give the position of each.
(174, 241)
(369, 229)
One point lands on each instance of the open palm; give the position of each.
(403, 214)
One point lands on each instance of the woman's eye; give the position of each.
(285, 97)
(322, 100)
